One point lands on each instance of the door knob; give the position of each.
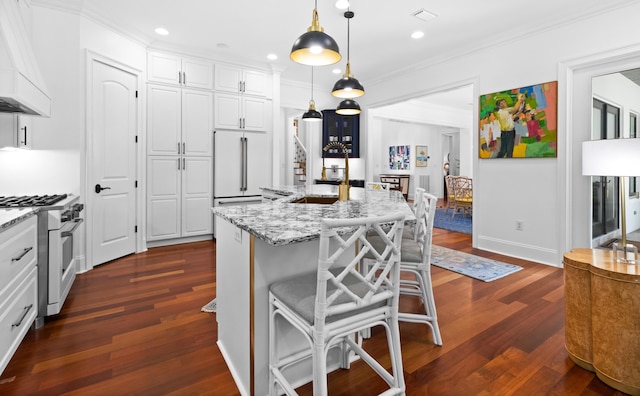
(100, 188)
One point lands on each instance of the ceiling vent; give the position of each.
(424, 15)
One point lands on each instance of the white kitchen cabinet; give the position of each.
(16, 131)
(179, 121)
(24, 131)
(179, 197)
(18, 285)
(178, 70)
(179, 162)
(242, 81)
(241, 112)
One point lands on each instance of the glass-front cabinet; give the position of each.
(343, 129)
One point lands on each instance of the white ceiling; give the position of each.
(247, 30)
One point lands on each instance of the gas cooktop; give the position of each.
(26, 201)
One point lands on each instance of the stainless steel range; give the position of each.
(58, 222)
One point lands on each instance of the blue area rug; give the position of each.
(470, 265)
(457, 224)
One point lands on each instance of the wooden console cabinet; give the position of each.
(398, 182)
(602, 317)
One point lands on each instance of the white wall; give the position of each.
(396, 133)
(54, 165)
(529, 190)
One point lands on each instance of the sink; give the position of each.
(316, 200)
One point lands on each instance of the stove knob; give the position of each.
(66, 216)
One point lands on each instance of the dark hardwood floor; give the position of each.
(134, 327)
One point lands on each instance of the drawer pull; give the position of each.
(24, 253)
(24, 315)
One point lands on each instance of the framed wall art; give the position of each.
(399, 157)
(422, 156)
(520, 122)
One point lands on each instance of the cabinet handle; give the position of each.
(244, 86)
(24, 253)
(239, 86)
(178, 163)
(183, 147)
(179, 77)
(184, 164)
(25, 136)
(184, 78)
(24, 315)
(178, 147)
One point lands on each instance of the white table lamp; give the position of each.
(618, 158)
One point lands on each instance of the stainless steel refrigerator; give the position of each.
(241, 167)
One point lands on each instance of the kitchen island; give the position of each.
(259, 244)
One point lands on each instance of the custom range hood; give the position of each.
(22, 88)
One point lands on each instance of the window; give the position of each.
(633, 133)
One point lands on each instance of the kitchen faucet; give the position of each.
(343, 188)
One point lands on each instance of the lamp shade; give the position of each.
(348, 107)
(312, 114)
(611, 157)
(348, 86)
(315, 47)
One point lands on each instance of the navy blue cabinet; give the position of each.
(343, 129)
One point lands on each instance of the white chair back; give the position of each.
(342, 288)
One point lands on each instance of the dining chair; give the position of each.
(415, 260)
(463, 196)
(450, 183)
(329, 306)
(416, 208)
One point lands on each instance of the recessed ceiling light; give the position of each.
(417, 34)
(272, 56)
(342, 4)
(336, 71)
(162, 31)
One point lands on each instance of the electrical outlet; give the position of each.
(519, 225)
(238, 235)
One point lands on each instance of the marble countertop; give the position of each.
(283, 222)
(9, 217)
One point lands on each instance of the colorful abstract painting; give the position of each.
(520, 123)
(399, 157)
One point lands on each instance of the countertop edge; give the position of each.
(10, 219)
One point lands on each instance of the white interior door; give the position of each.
(113, 114)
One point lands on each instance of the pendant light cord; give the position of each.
(348, 15)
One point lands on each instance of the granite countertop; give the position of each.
(9, 217)
(283, 222)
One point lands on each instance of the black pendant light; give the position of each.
(315, 47)
(348, 107)
(348, 86)
(312, 114)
